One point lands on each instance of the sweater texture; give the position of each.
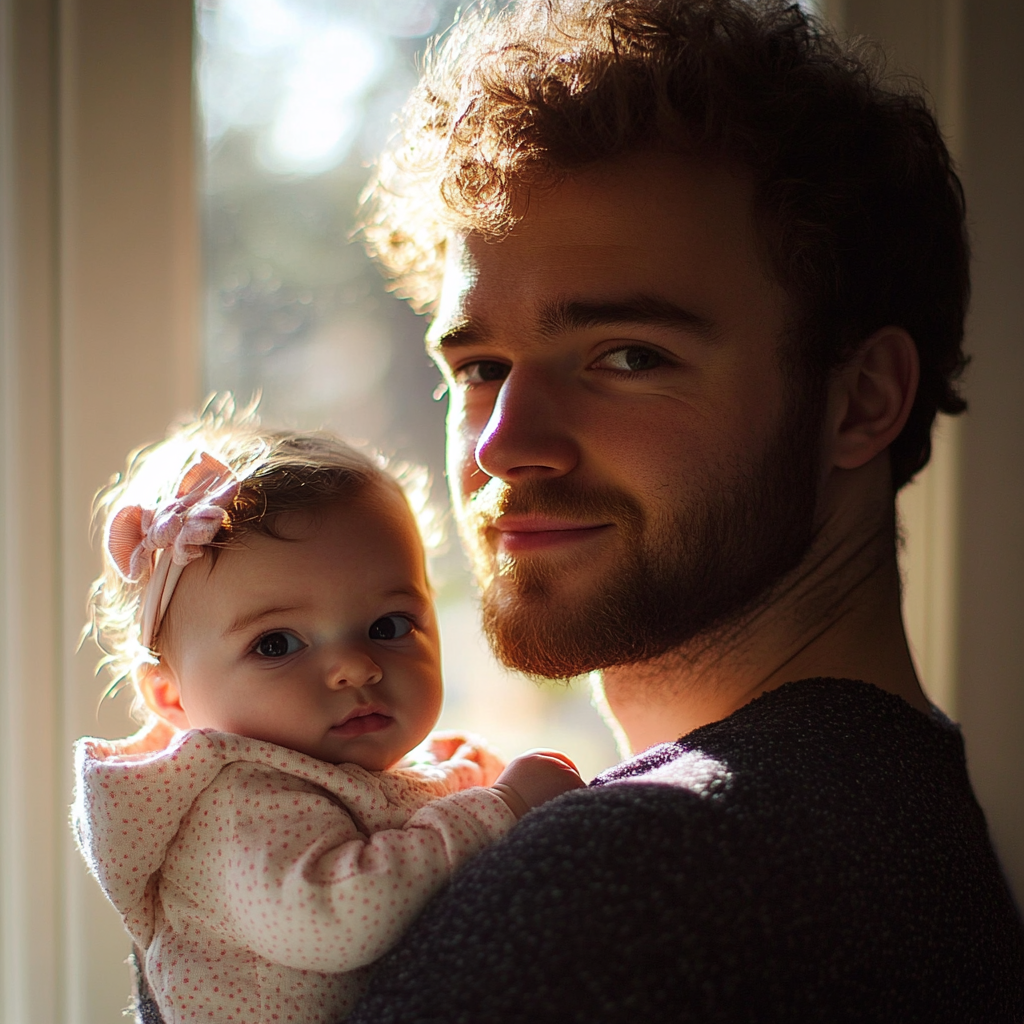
(817, 856)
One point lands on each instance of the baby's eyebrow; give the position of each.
(413, 593)
(248, 618)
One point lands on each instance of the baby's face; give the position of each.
(324, 642)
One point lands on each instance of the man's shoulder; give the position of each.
(832, 788)
(815, 743)
(827, 818)
(810, 743)
(834, 721)
(822, 848)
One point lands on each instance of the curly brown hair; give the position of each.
(860, 214)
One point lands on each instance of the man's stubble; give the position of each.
(680, 579)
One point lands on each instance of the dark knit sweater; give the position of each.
(816, 856)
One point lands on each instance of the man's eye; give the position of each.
(633, 359)
(278, 645)
(483, 371)
(391, 627)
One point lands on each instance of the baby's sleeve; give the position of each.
(302, 887)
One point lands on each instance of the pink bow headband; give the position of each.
(155, 544)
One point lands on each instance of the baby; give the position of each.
(264, 837)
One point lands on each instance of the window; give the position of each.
(296, 98)
(99, 350)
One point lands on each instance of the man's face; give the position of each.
(630, 466)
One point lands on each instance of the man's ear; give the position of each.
(871, 396)
(158, 685)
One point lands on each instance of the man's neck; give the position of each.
(837, 615)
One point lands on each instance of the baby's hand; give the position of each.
(464, 746)
(534, 778)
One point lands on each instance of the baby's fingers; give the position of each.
(491, 763)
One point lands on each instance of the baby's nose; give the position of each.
(353, 668)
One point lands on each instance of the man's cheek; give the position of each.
(463, 427)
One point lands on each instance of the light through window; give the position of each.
(296, 98)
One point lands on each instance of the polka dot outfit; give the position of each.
(260, 882)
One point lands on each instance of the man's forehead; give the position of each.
(460, 274)
(653, 238)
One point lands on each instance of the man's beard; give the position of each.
(683, 577)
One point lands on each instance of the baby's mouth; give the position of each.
(361, 721)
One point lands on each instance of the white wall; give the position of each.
(99, 316)
(991, 622)
(964, 561)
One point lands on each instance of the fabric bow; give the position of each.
(156, 544)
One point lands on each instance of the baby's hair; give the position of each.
(278, 472)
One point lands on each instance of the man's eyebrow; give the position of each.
(562, 315)
(246, 619)
(459, 335)
(576, 315)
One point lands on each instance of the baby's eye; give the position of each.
(632, 359)
(391, 627)
(278, 645)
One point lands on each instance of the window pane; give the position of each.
(296, 97)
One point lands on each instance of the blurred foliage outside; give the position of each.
(296, 99)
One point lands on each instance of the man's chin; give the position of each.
(561, 627)
(520, 646)
(554, 632)
(542, 581)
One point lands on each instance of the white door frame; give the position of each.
(99, 322)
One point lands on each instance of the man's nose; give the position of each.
(353, 667)
(528, 434)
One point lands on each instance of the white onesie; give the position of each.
(258, 882)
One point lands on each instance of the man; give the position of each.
(704, 280)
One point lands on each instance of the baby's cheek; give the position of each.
(425, 712)
(280, 722)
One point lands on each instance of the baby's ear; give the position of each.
(158, 685)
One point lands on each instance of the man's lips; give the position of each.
(519, 534)
(361, 721)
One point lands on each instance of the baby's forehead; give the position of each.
(369, 541)
(379, 500)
